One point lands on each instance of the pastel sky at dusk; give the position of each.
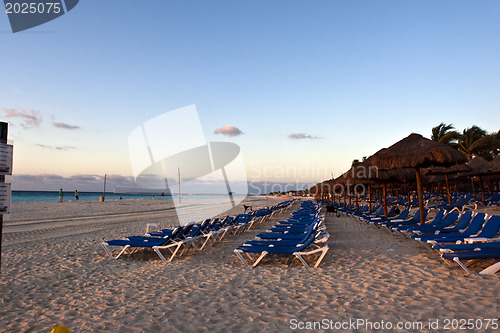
(303, 87)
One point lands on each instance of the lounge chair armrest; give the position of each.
(322, 248)
(493, 240)
(474, 240)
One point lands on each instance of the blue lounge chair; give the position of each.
(137, 242)
(415, 220)
(290, 235)
(462, 223)
(475, 255)
(298, 249)
(474, 227)
(459, 204)
(449, 248)
(445, 222)
(435, 221)
(401, 216)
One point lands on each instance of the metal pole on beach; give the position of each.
(3, 139)
(104, 192)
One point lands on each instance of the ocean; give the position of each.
(22, 196)
(30, 196)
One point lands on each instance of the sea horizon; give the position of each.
(36, 196)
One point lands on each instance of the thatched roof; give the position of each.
(494, 166)
(366, 173)
(399, 175)
(478, 166)
(478, 163)
(441, 170)
(315, 189)
(415, 151)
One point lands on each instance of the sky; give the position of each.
(302, 87)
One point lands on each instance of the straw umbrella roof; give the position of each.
(366, 173)
(415, 151)
(477, 165)
(441, 170)
(494, 166)
(315, 189)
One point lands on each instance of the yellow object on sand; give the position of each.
(60, 329)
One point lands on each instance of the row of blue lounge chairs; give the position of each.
(458, 236)
(192, 236)
(302, 234)
(459, 201)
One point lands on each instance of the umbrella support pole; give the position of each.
(384, 194)
(447, 189)
(420, 196)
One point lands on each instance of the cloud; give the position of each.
(56, 147)
(66, 126)
(300, 136)
(29, 118)
(229, 131)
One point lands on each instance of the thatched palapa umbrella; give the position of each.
(494, 166)
(478, 166)
(441, 170)
(366, 173)
(417, 152)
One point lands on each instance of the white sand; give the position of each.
(54, 271)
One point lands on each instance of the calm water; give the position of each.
(22, 196)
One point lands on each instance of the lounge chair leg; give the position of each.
(321, 257)
(205, 242)
(224, 233)
(262, 255)
(108, 251)
(457, 260)
(186, 246)
(491, 269)
(157, 250)
(238, 253)
(301, 259)
(175, 251)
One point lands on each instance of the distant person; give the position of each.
(76, 194)
(162, 195)
(61, 195)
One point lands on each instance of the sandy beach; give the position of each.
(54, 271)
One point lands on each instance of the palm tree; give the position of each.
(468, 138)
(445, 134)
(488, 147)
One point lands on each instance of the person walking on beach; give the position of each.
(61, 195)
(76, 194)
